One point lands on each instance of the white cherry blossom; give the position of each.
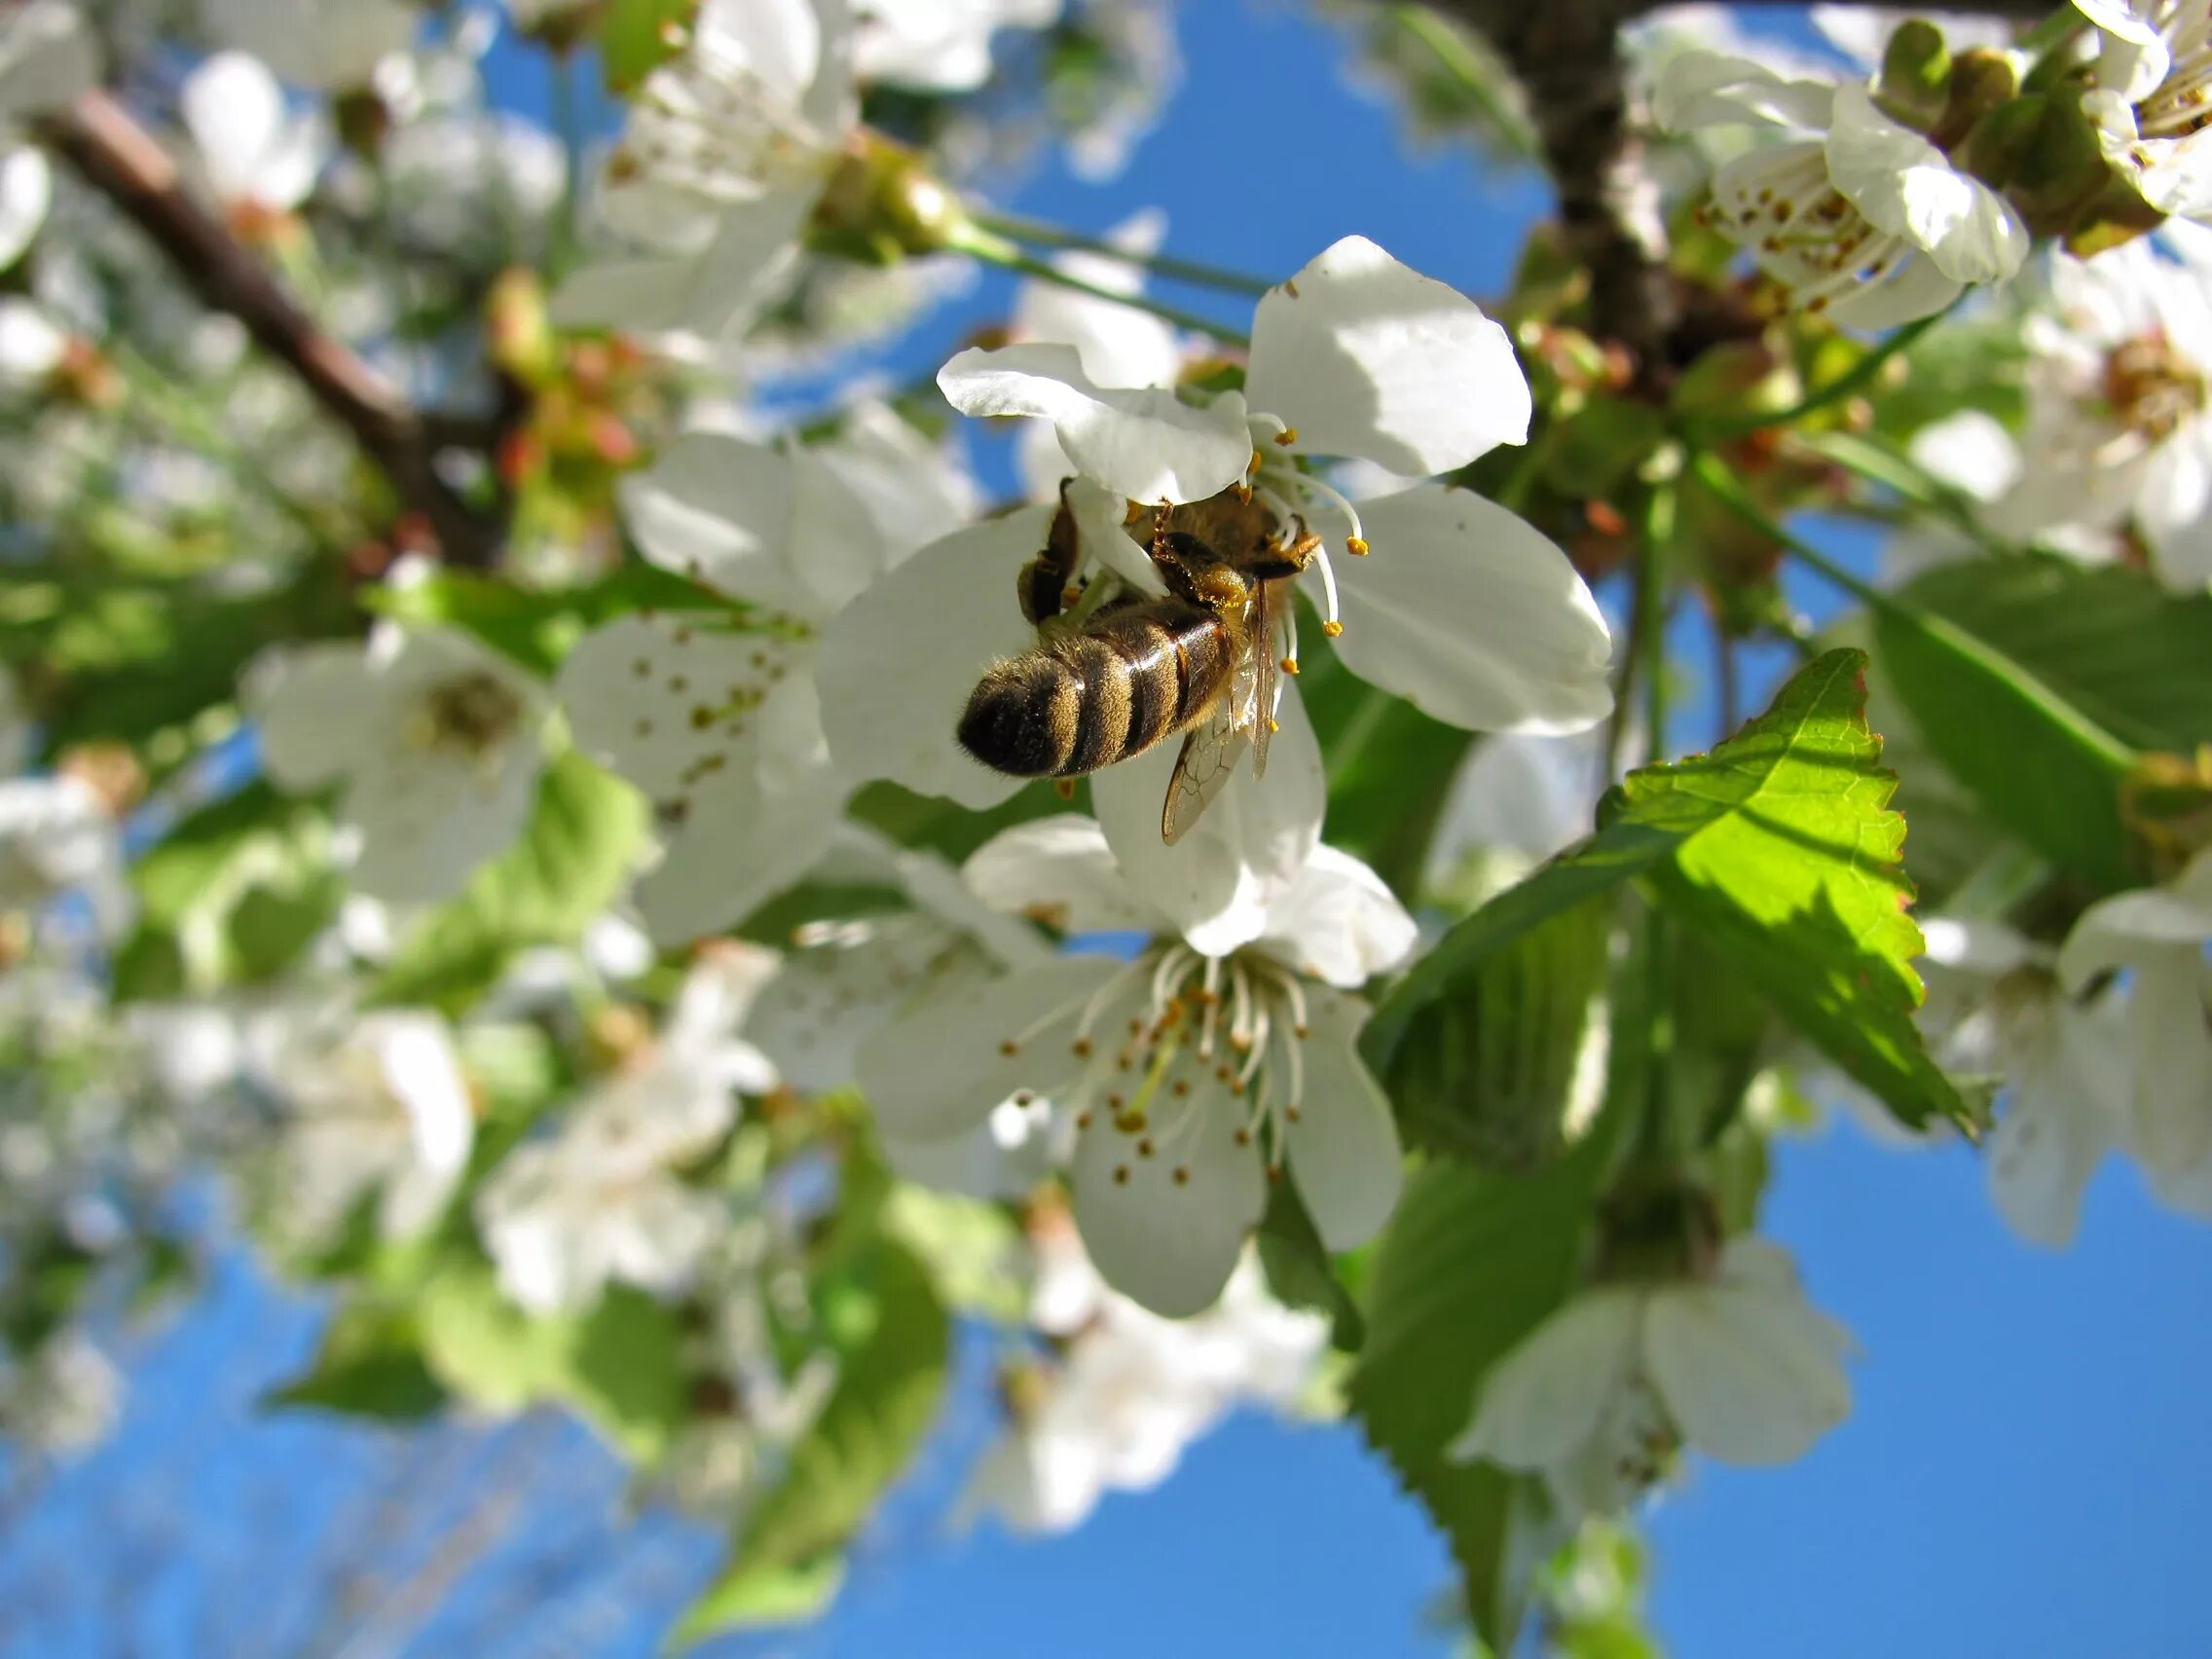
(372, 1102)
(433, 741)
(728, 146)
(2118, 435)
(2153, 64)
(2157, 938)
(47, 58)
(939, 46)
(603, 1198)
(1859, 217)
(333, 46)
(719, 720)
(57, 837)
(1995, 1006)
(1129, 1391)
(261, 159)
(1190, 1075)
(1602, 1396)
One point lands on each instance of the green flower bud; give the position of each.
(1914, 83)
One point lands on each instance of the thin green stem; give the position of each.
(569, 123)
(1475, 77)
(1883, 464)
(1165, 266)
(1651, 612)
(1728, 490)
(993, 250)
(1860, 373)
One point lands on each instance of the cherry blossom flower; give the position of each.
(47, 58)
(1190, 1074)
(2120, 391)
(939, 46)
(2153, 64)
(1604, 1394)
(603, 1199)
(1995, 1006)
(1463, 608)
(261, 159)
(1128, 1390)
(372, 1103)
(2157, 938)
(719, 719)
(57, 837)
(727, 150)
(433, 741)
(1859, 217)
(333, 46)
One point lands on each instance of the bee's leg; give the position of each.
(1047, 581)
(1173, 554)
(1278, 561)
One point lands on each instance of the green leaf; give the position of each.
(1298, 1270)
(1470, 1264)
(567, 867)
(2133, 659)
(231, 896)
(1789, 866)
(1778, 849)
(634, 39)
(1506, 1068)
(535, 627)
(876, 1418)
(620, 1366)
(370, 1365)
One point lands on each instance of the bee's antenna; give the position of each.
(1160, 528)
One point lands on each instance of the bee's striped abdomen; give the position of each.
(1081, 701)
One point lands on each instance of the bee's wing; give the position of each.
(1263, 679)
(1202, 770)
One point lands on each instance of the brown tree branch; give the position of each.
(117, 157)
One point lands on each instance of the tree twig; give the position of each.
(117, 157)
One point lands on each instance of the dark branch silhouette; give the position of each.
(117, 157)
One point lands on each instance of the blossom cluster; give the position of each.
(670, 873)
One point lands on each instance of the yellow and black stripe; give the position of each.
(1135, 674)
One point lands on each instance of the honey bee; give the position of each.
(1102, 686)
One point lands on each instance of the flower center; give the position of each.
(1804, 232)
(708, 123)
(2151, 388)
(470, 714)
(1212, 1033)
(2182, 102)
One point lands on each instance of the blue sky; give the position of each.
(2026, 1470)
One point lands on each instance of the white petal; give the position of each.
(1702, 88)
(2172, 1034)
(235, 111)
(1337, 921)
(2177, 175)
(1343, 1147)
(1061, 868)
(1912, 290)
(1144, 443)
(1984, 948)
(2047, 1145)
(943, 1071)
(1546, 1398)
(1905, 185)
(1169, 1245)
(898, 664)
(748, 834)
(1119, 344)
(1215, 884)
(26, 191)
(2132, 58)
(1470, 613)
(712, 293)
(315, 705)
(2115, 932)
(1368, 357)
(905, 488)
(1753, 1375)
(718, 509)
(669, 700)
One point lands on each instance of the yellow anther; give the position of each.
(1332, 629)
(1287, 436)
(1081, 1048)
(1009, 1048)
(1255, 463)
(1356, 547)
(1273, 726)
(1290, 665)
